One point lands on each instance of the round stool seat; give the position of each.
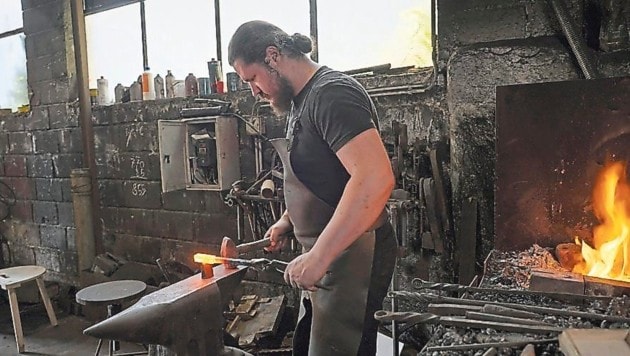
(14, 276)
(114, 292)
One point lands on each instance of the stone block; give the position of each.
(111, 193)
(53, 92)
(48, 189)
(22, 254)
(70, 139)
(39, 68)
(43, 44)
(213, 203)
(46, 141)
(107, 139)
(48, 258)
(53, 237)
(64, 116)
(15, 166)
(136, 248)
(22, 211)
(136, 222)
(141, 194)
(66, 189)
(210, 229)
(174, 225)
(14, 122)
(184, 200)
(44, 17)
(27, 4)
(20, 142)
(65, 163)
(40, 166)
(4, 143)
(71, 238)
(139, 136)
(38, 119)
(24, 188)
(45, 212)
(20, 233)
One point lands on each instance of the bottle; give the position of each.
(119, 91)
(213, 74)
(170, 84)
(135, 91)
(158, 82)
(103, 91)
(191, 86)
(148, 90)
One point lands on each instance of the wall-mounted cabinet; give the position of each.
(199, 153)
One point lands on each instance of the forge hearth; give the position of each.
(552, 140)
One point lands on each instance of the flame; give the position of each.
(207, 259)
(609, 257)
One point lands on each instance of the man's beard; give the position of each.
(282, 101)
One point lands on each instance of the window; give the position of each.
(13, 87)
(182, 38)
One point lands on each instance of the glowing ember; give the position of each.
(207, 259)
(609, 257)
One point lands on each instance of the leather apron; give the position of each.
(338, 312)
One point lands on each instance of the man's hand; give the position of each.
(304, 272)
(277, 233)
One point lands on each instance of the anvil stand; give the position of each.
(113, 294)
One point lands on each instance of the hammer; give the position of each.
(230, 250)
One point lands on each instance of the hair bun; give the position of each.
(302, 43)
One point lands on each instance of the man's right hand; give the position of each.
(277, 233)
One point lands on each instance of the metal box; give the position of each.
(199, 153)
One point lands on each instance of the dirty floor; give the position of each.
(40, 338)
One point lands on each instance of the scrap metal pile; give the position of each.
(500, 316)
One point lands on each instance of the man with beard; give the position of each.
(337, 179)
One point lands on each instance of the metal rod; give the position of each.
(314, 35)
(143, 31)
(532, 308)
(451, 287)
(574, 38)
(12, 32)
(489, 344)
(217, 27)
(85, 111)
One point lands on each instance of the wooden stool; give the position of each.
(113, 294)
(10, 280)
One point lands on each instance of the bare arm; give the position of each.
(366, 193)
(363, 199)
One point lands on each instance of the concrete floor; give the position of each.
(40, 338)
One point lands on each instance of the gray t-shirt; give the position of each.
(330, 110)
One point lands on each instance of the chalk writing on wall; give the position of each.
(139, 189)
(137, 166)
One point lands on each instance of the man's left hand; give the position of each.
(304, 272)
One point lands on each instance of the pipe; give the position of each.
(85, 110)
(81, 189)
(143, 32)
(314, 35)
(217, 25)
(575, 41)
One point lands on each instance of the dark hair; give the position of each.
(250, 41)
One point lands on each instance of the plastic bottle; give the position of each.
(148, 89)
(170, 84)
(191, 86)
(103, 91)
(159, 87)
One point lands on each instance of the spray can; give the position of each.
(191, 86)
(170, 84)
(215, 74)
(103, 91)
(204, 87)
(158, 82)
(148, 90)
